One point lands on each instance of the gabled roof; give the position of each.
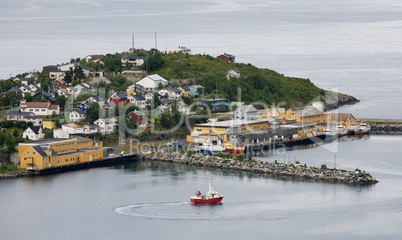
(36, 129)
(96, 56)
(234, 70)
(13, 89)
(246, 108)
(101, 79)
(156, 77)
(133, 58)
(138, 97)
(340, 117)
(306, 111)
(39, 150)
(16, 113)
(185, 88)
(173, 89)
(77, 110)
(228, 55)
(120, 94)
(155, 92)
(168, 101)
(27, 87)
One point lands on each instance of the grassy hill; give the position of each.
(257, 85)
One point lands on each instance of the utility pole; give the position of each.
(156, 46)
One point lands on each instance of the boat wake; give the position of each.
(172, 211)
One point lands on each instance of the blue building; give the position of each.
(215, 104)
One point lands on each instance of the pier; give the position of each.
(84, 165)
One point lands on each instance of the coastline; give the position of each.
(296, 171)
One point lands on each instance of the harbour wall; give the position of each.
(266, 168)
(384, 126)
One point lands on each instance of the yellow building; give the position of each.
(49, 123)
(305, 114)
(270, 112)
(185, 91)
(217, 130)
(58, 152)
(345, 119)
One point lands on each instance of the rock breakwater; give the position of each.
(266, 168)
(14, 174)
(386, 128)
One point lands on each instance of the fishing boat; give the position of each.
(341, 131)
(351, 129)
(210, 149)
(211, 197)
(230, 148)
(363, 129)
(328, 135)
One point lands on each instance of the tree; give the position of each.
(61, 101)
(154, 62)
(157, 102)
(93, 112)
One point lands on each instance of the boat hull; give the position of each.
(235, 150)
(210, 152)
(207, 201)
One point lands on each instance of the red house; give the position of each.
(140, 117)
(227, 57)
(60, 83)
(119, 98)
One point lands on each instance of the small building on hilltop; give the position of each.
(227, 57)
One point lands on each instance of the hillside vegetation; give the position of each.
(257, 85)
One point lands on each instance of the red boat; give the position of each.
(212, 196)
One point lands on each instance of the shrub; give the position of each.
(324, 167)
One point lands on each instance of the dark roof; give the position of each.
(138, 97)
(35, 129)
(228, 55)
(80, 111)
(27, 87)
(88, 69)
(235, 70)
(168, 101)
(20, 113)
(46, 95)
(185, 88)
(133, 58)
(174, 89)
(13, 89)
(306, 111)
(39, 150)
(120, 94)
(155, 92)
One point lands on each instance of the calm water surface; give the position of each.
(151, 200)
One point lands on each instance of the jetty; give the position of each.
(265, 168)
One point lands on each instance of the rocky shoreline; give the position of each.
(386, 128)
(14, 174)
(336, 100)
(265, 168)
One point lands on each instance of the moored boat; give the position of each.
(230, 148)
(212, 196)
(208, 148)
(363, 129)
(328, 135)
(341, 131)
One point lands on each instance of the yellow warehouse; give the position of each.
(58, 152)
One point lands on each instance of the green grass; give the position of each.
(9, 167)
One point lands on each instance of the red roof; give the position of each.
(340, 117)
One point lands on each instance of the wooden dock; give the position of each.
(84, 165)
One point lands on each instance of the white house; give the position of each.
(67, 67)
(34, 88)
(106, 125)
(174, 92)
(246, 112)
(134, 60)
(77, 115)
(137, 100)
(152, 82)
(233, 73)
(33, 133)
(150, 95)
(181, 49)
(39, 108)
(24, 116)
(25, 90)
(96, 99)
